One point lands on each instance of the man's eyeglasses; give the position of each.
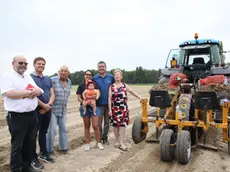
(21, 63)
(87, 74)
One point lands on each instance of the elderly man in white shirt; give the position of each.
(20, 100)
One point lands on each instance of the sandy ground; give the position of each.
(144, 156)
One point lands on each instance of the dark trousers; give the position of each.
(22, 127)
(42, 127)
(104, 111)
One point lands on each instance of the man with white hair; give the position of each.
(62, 87)
(20, 100)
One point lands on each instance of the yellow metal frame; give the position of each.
(181, 123)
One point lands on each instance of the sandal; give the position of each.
(123, 148)
(117, 145)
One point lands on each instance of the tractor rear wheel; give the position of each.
(228, 139)
(163, 80)
(167, 151)
(137, 131)
(183, 147)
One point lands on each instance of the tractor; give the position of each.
(187, 113)
(196, 58)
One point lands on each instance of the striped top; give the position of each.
(61, 95)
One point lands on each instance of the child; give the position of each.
(87, 97)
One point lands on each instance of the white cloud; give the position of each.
(124, 33)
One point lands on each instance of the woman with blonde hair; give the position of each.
(118, 108)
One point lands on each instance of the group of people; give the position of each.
(107, 104)
(36, 105)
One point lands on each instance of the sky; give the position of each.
(123, 33)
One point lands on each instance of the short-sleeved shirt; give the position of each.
(103, 83)
(91, 92)
(81, 88)
(15, 81)
(61, 96)
(45, 84)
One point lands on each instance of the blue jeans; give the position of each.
(89, 111)
(59, 121)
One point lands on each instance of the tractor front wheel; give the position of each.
(167, 149)
(163, 80)
(183, 147)
(228, 139)
(138, 135)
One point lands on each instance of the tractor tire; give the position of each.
(163, 80)
(137, 134)
(183, 147)
(228, 139)
(166, 151)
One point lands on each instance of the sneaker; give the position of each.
(51, 154)
(100, 146)
(65, 151)
(36, 165)
(87, 147)
(46, 158)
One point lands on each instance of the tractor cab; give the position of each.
(195, 58)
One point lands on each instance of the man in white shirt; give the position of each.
(20, 100)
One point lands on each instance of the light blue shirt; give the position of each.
(61, 95)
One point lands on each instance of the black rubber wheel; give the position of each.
(183, 147)
(228, 139)
(166, 151)
(163, 80)
(137, 134)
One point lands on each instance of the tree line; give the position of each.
(138, 76)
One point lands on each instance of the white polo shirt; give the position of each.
(15, 81)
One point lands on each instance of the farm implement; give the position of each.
(194, 99)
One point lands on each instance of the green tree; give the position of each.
(138, 76)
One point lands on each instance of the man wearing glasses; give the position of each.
(20, 100)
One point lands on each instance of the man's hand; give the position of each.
(42, 111)
(47, 107)
(32, 93)
(29, 94)
(37, 91)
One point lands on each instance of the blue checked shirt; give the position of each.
(61, 96)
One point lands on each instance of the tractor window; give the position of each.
(209, 55)
(197, 56)
(198, 59)
(215, 54)
(178, 54)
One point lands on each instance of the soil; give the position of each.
(144, 156)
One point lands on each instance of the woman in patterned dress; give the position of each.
(118, 108)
